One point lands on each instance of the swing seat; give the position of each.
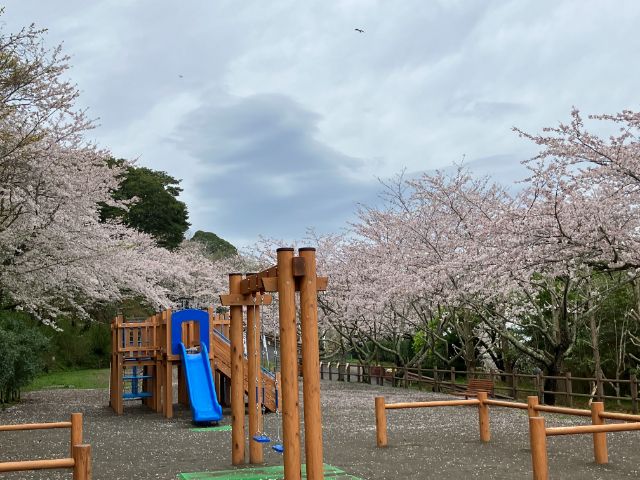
(278, 448)
(261, 439)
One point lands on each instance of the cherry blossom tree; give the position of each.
(55, 253)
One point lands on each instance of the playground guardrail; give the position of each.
(79, 461)
(538, 432)
(507, 384)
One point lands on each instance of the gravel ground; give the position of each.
(440, 443)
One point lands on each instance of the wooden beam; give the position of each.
(271, 284)
(237, 300)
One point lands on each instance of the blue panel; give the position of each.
(181, 316)
(129, 396)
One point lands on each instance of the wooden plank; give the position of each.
(322, 283)
(270, 284)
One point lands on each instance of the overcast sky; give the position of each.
(278, 115)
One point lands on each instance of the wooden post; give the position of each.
(453, 378)
(321, 371)
(237, 376)
(348, 371)
(381, 423)
(168, 389)
(329, 370)
(569, 389)
(119, 387)
(483, 415)
(633, 385)
(289, 364)
(168, 368)
(514, 385)
(82, 457)
(538, 437)
(256, 453)
(76, 430)
(157, 387)
(310, 366)
(600, 453)
(532, 402)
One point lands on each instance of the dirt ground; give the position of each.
(440, 443)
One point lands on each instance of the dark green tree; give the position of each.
(22, 346)
(157, 211)
(215, 246)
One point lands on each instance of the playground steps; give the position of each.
(222, 359)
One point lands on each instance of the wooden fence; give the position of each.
(507, 385)
(79, 461)
(537, 432)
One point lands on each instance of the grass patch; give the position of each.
(71, 379)
(222, 428)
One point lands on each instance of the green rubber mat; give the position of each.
(222, 428)
(261, 473)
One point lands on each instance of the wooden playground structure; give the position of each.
(538, 433)
(79, 460)
(142, 361)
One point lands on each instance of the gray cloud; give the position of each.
(259, 161)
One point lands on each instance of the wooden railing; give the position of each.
(537, 432)
(507, 384)
(79, 461)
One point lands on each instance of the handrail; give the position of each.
(435, 403)
(567, 411)
(502, 403)
(34, 426)
(612, 427)
(23, 465)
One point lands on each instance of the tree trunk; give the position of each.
(595, 345)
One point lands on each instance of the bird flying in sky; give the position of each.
(359, 30)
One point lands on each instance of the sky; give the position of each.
(279, 116)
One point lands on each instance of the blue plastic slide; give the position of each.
(202, 392)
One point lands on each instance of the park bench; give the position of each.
(477, 385)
